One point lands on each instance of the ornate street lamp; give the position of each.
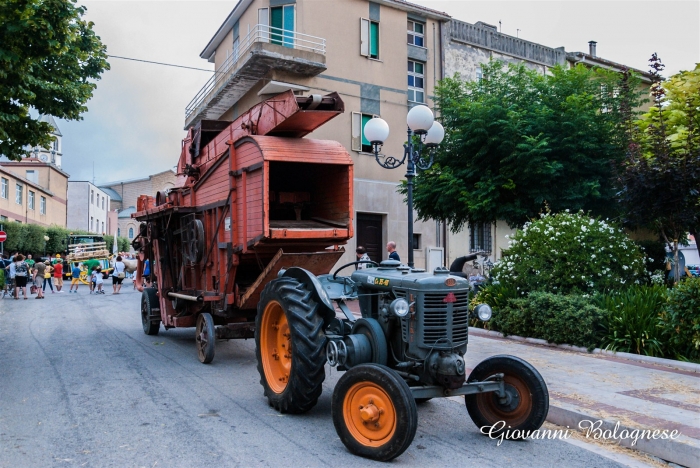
(421, 123)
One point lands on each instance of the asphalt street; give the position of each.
(82, 385)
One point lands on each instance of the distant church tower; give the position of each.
(55, 153)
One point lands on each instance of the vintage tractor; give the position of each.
(243, 247)
(407, 347)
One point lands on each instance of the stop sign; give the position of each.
(3, 236)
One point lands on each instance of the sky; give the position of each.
(134, 124)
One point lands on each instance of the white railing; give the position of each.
(259, 33)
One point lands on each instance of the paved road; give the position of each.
(81, 385)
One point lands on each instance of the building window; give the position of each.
(55, 144)
(415, 81)
(32, 175)
(18, 193)
(282, 25)
(415, 33)
(131, 233)
(480, 237)
(479, 73)
(103, 227)
(369, 38)
(30, 200)
(92, 224)
(42, 205)
(416, 242)
(4, 187)
(103, 202)
(359, 141)
(92, 197)
(3, 218)
(119, 232)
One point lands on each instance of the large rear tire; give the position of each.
(527, 402)
(374, 413)
(149, 319)
(290, 346)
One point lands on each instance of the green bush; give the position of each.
(570, 253)
(681, 320)
(556, 318)
(656, 255)
(633, 322)
(494, 294)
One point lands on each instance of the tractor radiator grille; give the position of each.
(439, 325)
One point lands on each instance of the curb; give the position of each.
(686, 366)
(675, 451)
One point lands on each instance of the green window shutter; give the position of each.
(288, 26)
(276, 18)
(374, 40)
(365, 119)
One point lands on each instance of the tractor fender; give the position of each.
(319, 294)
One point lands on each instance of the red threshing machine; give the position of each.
(255, 197)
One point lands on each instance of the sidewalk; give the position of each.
(594, 387)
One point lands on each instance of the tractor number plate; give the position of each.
(378, 281)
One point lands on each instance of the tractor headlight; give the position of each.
(484, 312)
(399, 307)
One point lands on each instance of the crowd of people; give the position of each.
(22, 272)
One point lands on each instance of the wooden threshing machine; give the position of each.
(255, 197)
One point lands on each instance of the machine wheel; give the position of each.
(374, 413)
(373, 331)
(528, 398)
(205, 337)
(149, 301)
(290, 346)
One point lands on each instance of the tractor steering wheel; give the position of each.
(353, 263)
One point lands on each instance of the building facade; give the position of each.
(88, 206)
(123, 194)
(382, 57)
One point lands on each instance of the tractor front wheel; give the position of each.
(374, 412)
(290, 345)
(205, 337)
(526, 402)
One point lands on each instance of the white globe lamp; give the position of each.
(377, 130)
(435, 135)
(420, 119)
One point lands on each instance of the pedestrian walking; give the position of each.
(38, 277)
(99, 281)
(58, 274)
(21, 276)
(48, 273)
(118, 275)
(10, 271)
(393, 254)
(93, 279)
(75, 278)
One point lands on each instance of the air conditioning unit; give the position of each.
(434, 257)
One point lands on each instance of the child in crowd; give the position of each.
(99, 281)
(75, 278)
(93, 279)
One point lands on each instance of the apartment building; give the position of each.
(88, 208)
(382, 57)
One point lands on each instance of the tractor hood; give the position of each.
(391, 274)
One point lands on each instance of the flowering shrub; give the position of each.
(570, 252)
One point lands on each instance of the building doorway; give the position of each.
(369, 235)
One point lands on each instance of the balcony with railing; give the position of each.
(264, 49)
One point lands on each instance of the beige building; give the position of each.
(122, 196)
(382, 57)
(34, 192)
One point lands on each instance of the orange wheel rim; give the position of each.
(276, 347)
(518, 415)
(369, 414)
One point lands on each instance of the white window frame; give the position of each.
(416, 34)
(42, 205)
(19, 189)
(365, 36)
(30, 200)
(4, 188)
(417, 75)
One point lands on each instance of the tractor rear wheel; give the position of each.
(149, 301)
(527, 399)
(205, 336)
(290, 346)
(374, 413)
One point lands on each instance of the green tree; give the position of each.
(518, 139)
(48, 57)
(660, 183)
